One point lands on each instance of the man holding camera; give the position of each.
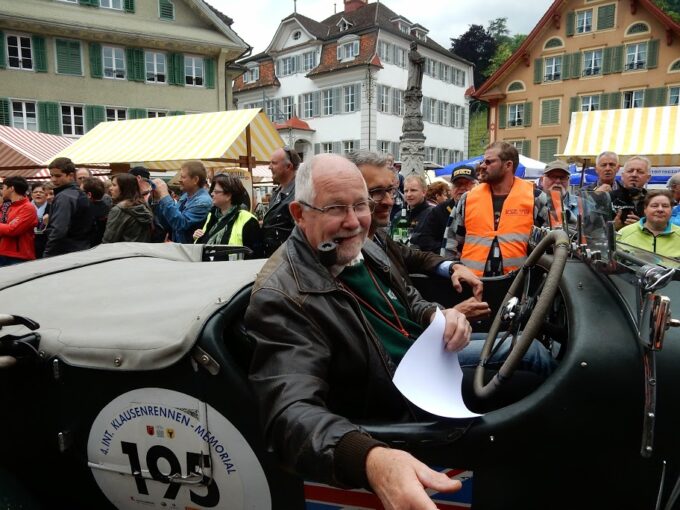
(628, 199)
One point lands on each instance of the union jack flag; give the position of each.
(324, 497)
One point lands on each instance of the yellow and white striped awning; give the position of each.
(650, 132)
(218, 139)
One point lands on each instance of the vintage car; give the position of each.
(123, 378)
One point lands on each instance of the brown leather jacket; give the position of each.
(318, 366)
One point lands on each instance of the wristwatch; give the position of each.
(451, 269)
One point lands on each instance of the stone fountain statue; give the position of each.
(412, 138)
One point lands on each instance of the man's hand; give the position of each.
(631, 218)
(604, 187)
(463, 274)
(400, 480)
(473, 309)
(161, 189)
(198, 233)
(457, 330)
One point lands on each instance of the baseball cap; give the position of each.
(465, 171)
(141, 172)
(558, 164)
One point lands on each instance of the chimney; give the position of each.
(353, 5)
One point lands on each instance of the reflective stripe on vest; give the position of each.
(514, 227)
(236, 237)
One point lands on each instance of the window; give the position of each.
(590, 103)
(72, 120)
(398, 102)
(111, 4)
(166, 10)
(550, 112)
(349, 95)
(456, 156)
(193, 71)
(456, 116)
(515, 114)
(385, 52)
(443, 113)
(327, 147)
(252, 74)
(68, 57)
(401, 59)
(19, 54)
(156, 114)
(344, 25)
(308, 60)
(383, 146)
(553, 68)
(286, 66)
(592, 62)
(430, 67)
(113, 114)
(636, 56)
(430, 153)
(675, 66)
(270, 110)
(555, 42)
(327, 101)
(432, 110)
(674, 96)
(296, 35)
(114, 62)
(547, 148)
(348, 51)
(288, 107)
(517, 144)
(308, 105)
(155, 67)
(516, 86)
(403, 27)
(459, 77)
(584, 21)
(383, 99)
(24, 115)
(445, 73)
(633, 98)
(442, 156)
(348, 146)
(638, 28)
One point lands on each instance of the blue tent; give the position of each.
(528, 168)
(660, 175)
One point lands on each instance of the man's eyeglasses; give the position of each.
(379, 194)
(488, 162)
(338, 211)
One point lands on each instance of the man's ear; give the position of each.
(295, 209)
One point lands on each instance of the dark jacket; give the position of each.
(129, 224)
(318, 366)
(628, 200)
(278, 222)
(416, 220)
(406, 260)
(434, 225)
(70, 223)
(100, 212)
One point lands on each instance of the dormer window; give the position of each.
(403, 27)
(296, 35)
(420, 32)
(348, 49)
(252, 74)
(343, 25)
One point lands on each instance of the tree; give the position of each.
(671, 7)
(503, 53)
(498, 29)
(477, 46)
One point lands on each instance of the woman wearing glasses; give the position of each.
(227, 222)
(130, 219)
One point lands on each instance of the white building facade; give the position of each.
(338, 85)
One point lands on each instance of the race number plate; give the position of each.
(176, 452)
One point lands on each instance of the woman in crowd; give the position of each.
(227, 222)
(130, 218)
(654, 232)
(438, 192)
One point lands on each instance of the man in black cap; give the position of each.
(462, 180)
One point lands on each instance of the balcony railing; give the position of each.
(591, 71)
(638, 64)
(552, 77)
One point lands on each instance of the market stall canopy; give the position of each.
(217, 139)
(28, 149)
(650, 132)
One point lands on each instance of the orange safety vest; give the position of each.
(514, 227)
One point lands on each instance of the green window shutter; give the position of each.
(538, 70)
(547, 149)
(176, 69)
(68, 57)
(615, 100)
(606, 17)
(209, 66)
(617, 59)
(166, 10)
(573, 106)
(566, 66)
(571, 23)
(48, 118)
(176, 112)
(550, 111)
(3, 63)
(91, 3)
(526, 148)
(135, 64)
(604, 101)
(94, 114)
(655, 97)
(527, 114)
(137, 113)
(4, 112)
(576, 59)
(96, 70)
(129, 5)
(502, 115)
(607, 58)
(653, 54)
(39, 54)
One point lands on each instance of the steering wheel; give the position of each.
(519, 308)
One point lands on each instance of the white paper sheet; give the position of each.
(430, 376)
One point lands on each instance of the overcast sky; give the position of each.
(255, 21)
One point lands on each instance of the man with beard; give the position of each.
(431, 236)
(328, 334)
(490, 226)
(606, 167)
(628, 199)
(556, 179)
(277, 223)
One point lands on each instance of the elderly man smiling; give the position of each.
(328, 336)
